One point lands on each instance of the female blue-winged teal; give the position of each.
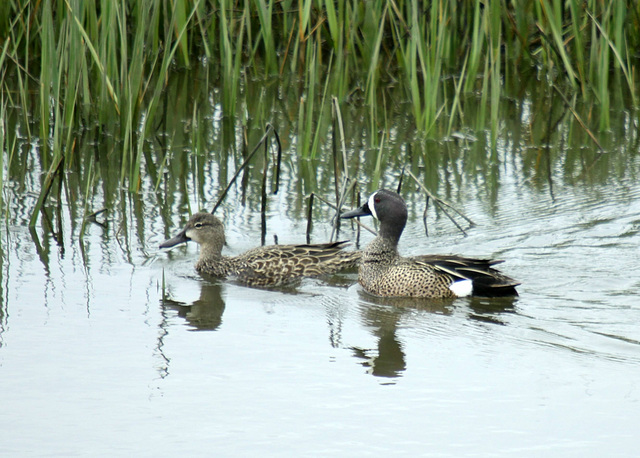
(263, 266)
(384, 272)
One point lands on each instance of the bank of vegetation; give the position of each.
(72, 66)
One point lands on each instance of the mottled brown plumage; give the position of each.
(263, 266)
(384, 272)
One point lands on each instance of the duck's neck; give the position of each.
(210, 253)
(392, 230)
(380, 250)
(385, 246)
(213, 263)
(391, 233)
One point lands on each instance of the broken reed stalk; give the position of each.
(278, 160)
(400, 180)
(335, 226)
(309, 217)
(347, 186)
(92, 218)
(269, 129)
(357, 221)
(441, 204)
(263, 203)
(424, 217)
(336, 166)
(357, 199)
(579, 119)
(55, 169)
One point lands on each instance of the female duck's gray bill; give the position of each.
(177, 240)
(361, 211)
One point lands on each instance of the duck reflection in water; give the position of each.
(389, 360)
(384, 315)
(205, 313)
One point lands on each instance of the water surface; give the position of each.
(96, 358)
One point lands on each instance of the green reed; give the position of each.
(4, 144)
(495, 59)
(104, 66)
(112, 48)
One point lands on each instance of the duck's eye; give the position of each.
(376, 200)
(198, 225)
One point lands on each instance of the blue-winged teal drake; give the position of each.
(264, 266)
(383, 272)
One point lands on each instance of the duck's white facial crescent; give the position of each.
(372, 205)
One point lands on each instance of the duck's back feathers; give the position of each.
(279, 264)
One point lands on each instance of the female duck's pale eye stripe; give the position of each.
(372, 205)
(462, 288)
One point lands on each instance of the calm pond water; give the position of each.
(93, 360)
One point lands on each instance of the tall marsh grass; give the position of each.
(104, 66)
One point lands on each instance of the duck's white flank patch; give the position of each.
(462, 288)
(372, 205)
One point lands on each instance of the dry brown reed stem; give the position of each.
(263, 203)
(309, 217)
(424, 217)
(343, 185)
(347, 186)
(278, 160)
(400, 180)
(357, 221)
(93, 217)
(579, 119)
(55, 169)
(441, 204)
(269, 129)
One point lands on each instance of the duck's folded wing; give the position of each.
(487, 281)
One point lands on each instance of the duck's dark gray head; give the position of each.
(204, 229)
(388, 208)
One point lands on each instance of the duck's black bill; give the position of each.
(361, 211)
(177, 240)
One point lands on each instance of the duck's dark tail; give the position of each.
(492, 287)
